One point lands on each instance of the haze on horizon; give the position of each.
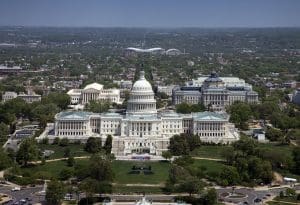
(154, 13)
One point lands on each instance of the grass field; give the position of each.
(214, 151)
(284, 200)
(121, 169)
(51, 169)
(210, 166)
(211, 151)
(76, 150)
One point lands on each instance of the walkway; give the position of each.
(86, 157)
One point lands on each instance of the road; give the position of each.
(30, 192)
(252, 194)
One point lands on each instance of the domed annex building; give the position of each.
(142, 129)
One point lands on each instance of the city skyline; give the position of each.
(134, 13)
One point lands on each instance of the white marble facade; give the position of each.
(142, 129)
(94, 92)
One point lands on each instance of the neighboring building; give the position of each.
(215, 92)
(29, 97)
(259, 134)
(142, 129)
(8, 96)
(173, 52)
(7, 69)
(132, 50)
(168, 89)
(124, 84)
(296, 97)
(94, 91)
(290, 84)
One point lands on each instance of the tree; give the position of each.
(65, 174)
(108, 144)
(191, 185)
(177, 174)
(93, 145)
(296, 159)
(55, 192)
(100, 168)
(229, 155)
(44, 113)
(67, 152)
(98, 106)
(64, 142)
(274, 134)
(70, 161)
(240, 113)
(183, 108)
(4, 131)
(211, 196)
(89, 187)
(290, 192)
(56, 140)
(178, 145)
(5, 160)
(246, 145)
(62, 100)
(28, 151)
(193, 141)
(230, 174)
(167, 155)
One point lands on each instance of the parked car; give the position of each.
(16, 189)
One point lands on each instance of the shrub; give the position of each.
(64, 142)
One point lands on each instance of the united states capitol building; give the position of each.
(142, 129)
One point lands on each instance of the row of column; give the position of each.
(71, 125)
(89, 96)
(141, 126)
(139, 107)
(210, 126)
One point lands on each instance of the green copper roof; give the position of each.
(209, 116)
(74, 115)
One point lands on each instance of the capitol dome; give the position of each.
(142, 84)
(141, 100)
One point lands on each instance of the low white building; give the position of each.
(166, 89)
(8, 96)
(29, 97)
(142, 129)
(95, 92)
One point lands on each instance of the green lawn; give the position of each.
(75, 149)
(210, 166)
(214, 151)
(211, 151)
(285, 150)
(51, 169)
(278, 200)
(121, 169)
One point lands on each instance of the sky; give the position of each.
(150, 13)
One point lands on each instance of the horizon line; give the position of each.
(153, 27)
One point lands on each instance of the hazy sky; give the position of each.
(151, 13)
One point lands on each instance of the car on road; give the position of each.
(257, 200)
(16, 189)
